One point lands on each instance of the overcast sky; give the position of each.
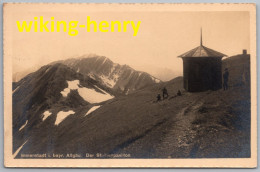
(162, 36)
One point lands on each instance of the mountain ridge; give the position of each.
(120, 78)
(190, 125)
(52, 88)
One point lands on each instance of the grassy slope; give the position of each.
(208, 124)
(205, 124)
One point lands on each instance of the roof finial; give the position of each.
(200, 36)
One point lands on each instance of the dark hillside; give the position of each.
(210, 124)
(41, 91)
(239, 69)
(207, 124)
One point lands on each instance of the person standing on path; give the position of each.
(225, 78)
(165, 93)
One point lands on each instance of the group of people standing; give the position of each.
(165, 94)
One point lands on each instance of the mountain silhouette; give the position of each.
(120, 78)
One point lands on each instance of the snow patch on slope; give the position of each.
(62, 115)
(116, 76)
(104, 60)
(72, 85)
(16, 89)
(23, 125)
(47, 70)
(19, 149)
(92, 109)
(65, 92)
(88, 94)
(127, 92)
(91, 75)
(109, 82)
(112, 69)
(46, 114)
(156, 80)
(92, 96)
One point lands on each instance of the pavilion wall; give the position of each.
(202, 73)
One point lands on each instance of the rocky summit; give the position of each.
(120, 78)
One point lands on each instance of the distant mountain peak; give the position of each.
(120, 78)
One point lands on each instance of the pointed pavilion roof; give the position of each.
(202, 51)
